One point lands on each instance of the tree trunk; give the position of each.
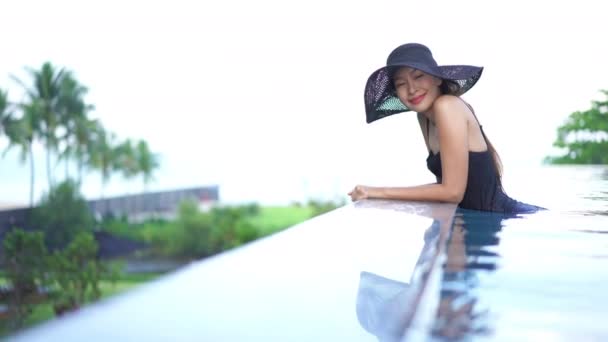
(80, 167)
(32, 173)
(102, 199)
(67, 168)
(48, 167)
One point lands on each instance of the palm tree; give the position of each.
(147, 162)
(44, 96)
(85, 135)
(102, 156)
(74, 124)
(5, 112)
(20, 133)
(126, 161)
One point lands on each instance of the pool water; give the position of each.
(530, 277)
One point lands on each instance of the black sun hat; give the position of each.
(380, 98)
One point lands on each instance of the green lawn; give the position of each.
(273, 219)
(269, 220)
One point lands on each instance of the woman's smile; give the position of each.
(416, 100)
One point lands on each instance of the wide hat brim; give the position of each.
(381, 100)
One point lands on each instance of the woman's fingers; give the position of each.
(357, 193)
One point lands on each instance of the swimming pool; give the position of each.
(529, 277)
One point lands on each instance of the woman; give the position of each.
(467, 167)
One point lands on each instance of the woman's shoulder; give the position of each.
(446, 100)
(448, 105)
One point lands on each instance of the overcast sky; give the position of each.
(266, 97)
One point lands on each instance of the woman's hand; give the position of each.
(359, 192)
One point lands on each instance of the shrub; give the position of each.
(77, 272)
(62, 213)
(24, 263)
(192, 238)
(322, 207)
(199, 234)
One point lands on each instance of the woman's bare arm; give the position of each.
(451, 122)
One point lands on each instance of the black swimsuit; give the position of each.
(484, 188)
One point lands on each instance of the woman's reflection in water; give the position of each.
(470, 253)
(384, 306)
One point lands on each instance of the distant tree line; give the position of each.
(584, 136)
(55, 114)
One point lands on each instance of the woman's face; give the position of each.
(416, 89)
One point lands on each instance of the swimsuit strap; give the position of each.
(475, 116)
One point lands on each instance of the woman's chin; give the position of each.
(418, 108)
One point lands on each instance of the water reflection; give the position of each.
(386, 306)
(598, 196)
(470, 253)
(382, 304)
(593, 212)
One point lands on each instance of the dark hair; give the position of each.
(448, 87)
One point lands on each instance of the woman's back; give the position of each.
(484, 189)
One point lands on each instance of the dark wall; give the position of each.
(128, 205)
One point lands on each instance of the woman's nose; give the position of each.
(411, 88)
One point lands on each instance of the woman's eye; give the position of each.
(418, 76)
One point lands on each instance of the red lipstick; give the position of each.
(416, 100)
